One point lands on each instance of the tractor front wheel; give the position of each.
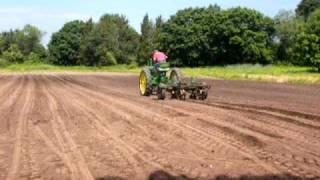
(145, 82)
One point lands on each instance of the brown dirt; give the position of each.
(73, 126)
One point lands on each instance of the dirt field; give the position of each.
(95, 126)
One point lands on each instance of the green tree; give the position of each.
(2, 44)
(89, 55)
(29, 39)
(13, 54)
(313, 28)
(185, 36)
(146, 45)
(111, 35)
(158, 28)
(313, 23)
(287, 27)
(242, 35)
(159, 22)
(306, 49)
(307, 7)
(64, 47)
(209, 36)
(8, 38)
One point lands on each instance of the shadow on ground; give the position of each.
(163, 175)
(110, 178)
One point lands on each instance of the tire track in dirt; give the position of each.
(293, 114)
(292, 141)
(7, 131)
(284, 116)
(40, 134)
(294, 135)
(272, 112)
(260, 108)
(239, 139)
(12, 93)
(263, 154)
(105, 126)
(178, 125)
(301, 171)
(9, 89)
(119, 145)
(29, 167)
(301, 98)
(278, 158)
(293, 132)
(297, 135)
(286, 135)
(136, 146)
(5, 83)
(247, 120)
(23, 159)
(154, 158)
(65, 140)
(147, 117)
(21, 123)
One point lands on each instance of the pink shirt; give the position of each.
(159, 57)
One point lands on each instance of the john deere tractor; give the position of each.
(160, 79)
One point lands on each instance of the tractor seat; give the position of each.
(160, 69)
(163, 67)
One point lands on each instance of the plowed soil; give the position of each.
(97, 126)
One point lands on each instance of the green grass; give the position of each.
(42, 67)
(271, 73)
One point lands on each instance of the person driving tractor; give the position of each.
(159, 58)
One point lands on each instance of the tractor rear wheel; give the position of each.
(176, 75)
(145, 82)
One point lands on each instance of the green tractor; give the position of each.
(161, 80)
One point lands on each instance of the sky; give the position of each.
(50, 15)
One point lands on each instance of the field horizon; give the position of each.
(250, 72)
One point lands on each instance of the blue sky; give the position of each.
(49, 16)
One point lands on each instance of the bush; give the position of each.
(3, 62)
(13, 54)
(316, 61)
(33, 58)
(108, 59)
(133, 65)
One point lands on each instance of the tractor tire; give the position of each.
(174, 94)
(176, 75)
(203, 95)
(145, 82)
(182, 95)
(161, 94)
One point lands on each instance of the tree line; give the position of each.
(192, 37)
(18, 46)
